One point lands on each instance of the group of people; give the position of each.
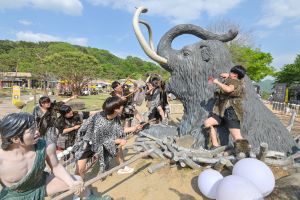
(95, 136)
(153, 93)
(92, 135)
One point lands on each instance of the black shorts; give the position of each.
(154, 114)
(88, 153)
(230, 118)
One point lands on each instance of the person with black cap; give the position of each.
(228, 107)
(23, 158)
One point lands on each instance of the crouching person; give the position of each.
(23, 159)
(68, 124)
(101, 138)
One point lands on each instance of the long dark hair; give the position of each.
(64, 109)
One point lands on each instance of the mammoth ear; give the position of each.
(205, 53)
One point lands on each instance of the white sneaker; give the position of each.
(125, 170)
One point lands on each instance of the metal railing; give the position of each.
(286, 108)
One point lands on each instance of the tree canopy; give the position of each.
(256, 62)
(243, 51)
(290, 73)
(28, 57)
(75, 67)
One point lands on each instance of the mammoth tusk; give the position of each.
(147, 49)
(150, 34)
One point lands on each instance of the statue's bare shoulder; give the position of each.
(1, 158)
(50, 149)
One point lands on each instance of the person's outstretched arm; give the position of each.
(60, 172)
(69, 99)
(222, 86)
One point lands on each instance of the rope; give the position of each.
(103, 175)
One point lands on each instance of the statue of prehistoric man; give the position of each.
(22, 162)
(228, 107)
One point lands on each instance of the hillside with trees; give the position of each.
(54, 59)
(77, 64)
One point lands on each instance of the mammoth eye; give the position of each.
(186, 52)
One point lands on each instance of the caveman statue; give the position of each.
(23, 159)
(190, 69)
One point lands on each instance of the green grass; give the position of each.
(29, 107)
(92, 102)
(7, 92)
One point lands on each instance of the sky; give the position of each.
(107, 24)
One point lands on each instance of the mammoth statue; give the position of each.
(190, 69)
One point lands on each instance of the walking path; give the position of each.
(6, 106)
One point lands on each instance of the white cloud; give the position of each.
(25, 22)
(70, 7)
(78, 41)
(276, 12)
(283, 59)
(178, 11)
(35, 37)
(41, 37)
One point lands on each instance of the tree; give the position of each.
(28, 57)
(290, 73)
(75, 67)
(243, 50)
(256, 62)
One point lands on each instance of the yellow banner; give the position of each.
(286, 99)
(16, 94)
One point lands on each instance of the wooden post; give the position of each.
(220, 165)
(263, 151)
(155, 167)
(34, 96)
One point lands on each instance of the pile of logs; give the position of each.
(170, 152)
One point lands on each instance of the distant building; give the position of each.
(290, 94)
(279, 93)
(22, 79)
(294, 94)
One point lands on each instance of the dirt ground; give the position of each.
(169, 182)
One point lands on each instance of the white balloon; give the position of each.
(208, 182)
(257, 172)
(237, 188)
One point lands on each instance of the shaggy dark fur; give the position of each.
(190, 69)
